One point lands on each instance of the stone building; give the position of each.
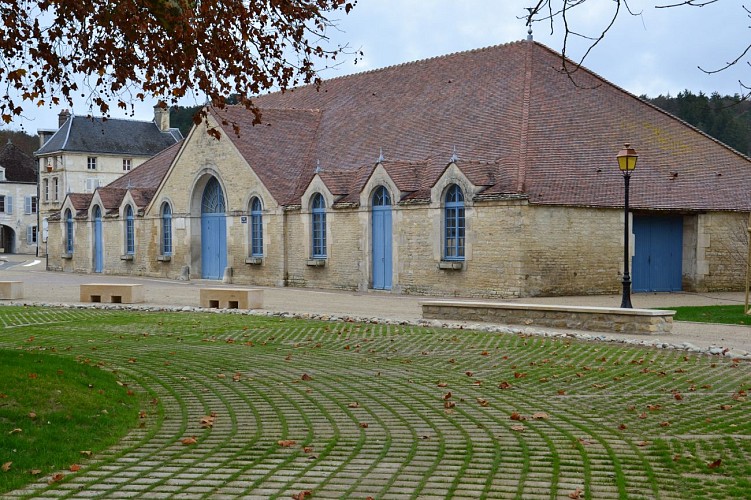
(18, 201)
(482, 173)
(85, 153)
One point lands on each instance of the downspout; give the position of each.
(285, 247)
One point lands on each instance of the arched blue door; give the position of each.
(382, 239)
(213, 231)
(98, 243)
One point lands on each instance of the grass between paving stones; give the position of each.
(731, 315)
(51, 409)
(532, 417)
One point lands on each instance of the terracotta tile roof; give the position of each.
(150, 173)
(19, 167)
(280, 150)
(111, 198)
(575, 133)
(520, 127)
(80, 202)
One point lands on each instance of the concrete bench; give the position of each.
(115, 293)
(11, 290)
(597, 319)
(232, 298)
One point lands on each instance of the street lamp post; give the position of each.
(626, 163)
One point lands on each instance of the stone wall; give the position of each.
(512, 249)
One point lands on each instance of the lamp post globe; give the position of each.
(626, 163)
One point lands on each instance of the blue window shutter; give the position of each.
(8, 204)
(27, 205)
(29, 235)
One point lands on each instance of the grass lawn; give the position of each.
(53, 408)
(236, 405)
(731, 315)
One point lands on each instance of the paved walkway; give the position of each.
(43, 286)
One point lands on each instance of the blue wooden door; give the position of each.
(658, 254)
(213, 231)
(98, 241)
(382, 270)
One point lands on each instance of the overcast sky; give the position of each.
(656, 52)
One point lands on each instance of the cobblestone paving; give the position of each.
(388, 411)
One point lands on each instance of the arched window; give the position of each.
(130, 237)
(381, 197)
(453, 243)
(68, 232)
(166, 229)
(256, 227)
(319, 227)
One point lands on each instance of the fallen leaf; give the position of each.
(447, 396)
(302, 495)
(131, 360)
(306, 377)
(642, 443)
(237, 377)
(286, 443)
(364, 425)
(221, 375)
(15, 431)
(561, 392)
(307, 449)
(678, 396)
(504, 385)
(622, 427)
(577, 493)
(207, 422)
(540, 415)
(6, 466)
(654, 407)
(676, 457)
(442, 384)
(354, 404)
(519, 375)
(518, 428)
(86, 453)
(469, 373)
(477, 382)
(715, 464)
(585, 442)
(484, 353)
(32, 415)
(726, 407)
(449, 404)
(665, 424)
(35, 472)
(517, 416)
(74, 468)
(33, 375)
(56, 477)
(483, 402)
(643, 416)
(189, 440)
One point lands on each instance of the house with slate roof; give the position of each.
(85, 152)
(18, 201)
(483, 173)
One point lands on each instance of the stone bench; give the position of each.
(597, 319)
(232, 298)
(11, 290)
(115, 293)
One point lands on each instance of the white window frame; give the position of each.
(91, 163)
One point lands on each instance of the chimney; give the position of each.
(63, 117)
(161, 117)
